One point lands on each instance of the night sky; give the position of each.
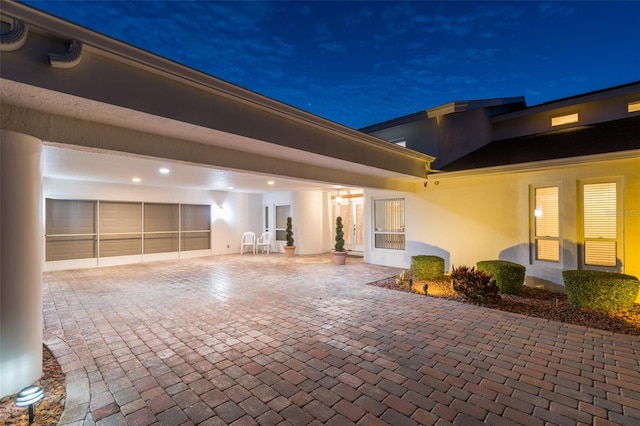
(360, 63)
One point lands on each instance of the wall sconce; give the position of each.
(27, 397)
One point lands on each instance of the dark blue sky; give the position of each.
(360, 63)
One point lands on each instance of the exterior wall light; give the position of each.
(27, 397)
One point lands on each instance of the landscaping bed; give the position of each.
(533, 302)
(49, 410)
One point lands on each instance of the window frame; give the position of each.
(619, 209)
(376, 232)
(533, 238)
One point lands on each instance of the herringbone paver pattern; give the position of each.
(259, 339)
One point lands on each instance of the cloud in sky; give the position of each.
(363, 62)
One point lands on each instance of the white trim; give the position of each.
(195, 253)
(120, 260)
(620, 250)
(532, 233)
(61, 265)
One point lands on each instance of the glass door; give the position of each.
(282, 212)
(351, 208)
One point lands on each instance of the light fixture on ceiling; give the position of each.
(270, 182)
(164, 170)
(136, 180)
(231, 187)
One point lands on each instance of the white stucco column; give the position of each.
(21, 259)
(309, 227)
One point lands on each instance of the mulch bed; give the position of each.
(534, 302)
(49, 409)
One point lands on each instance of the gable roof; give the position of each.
(607, 137)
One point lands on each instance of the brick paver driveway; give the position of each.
(259, 339)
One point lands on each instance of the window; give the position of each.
(282, 212)
(389, 224)
(195, 227)
(633, 106)
(70, 230)
(561, 120)
(600, 224)
(160, 228)
(120, 228)
(546, 224)
(85, 229)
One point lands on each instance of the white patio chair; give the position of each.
(264, 242)
(248, 239)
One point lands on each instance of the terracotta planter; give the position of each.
(289, 251)
(339, 257)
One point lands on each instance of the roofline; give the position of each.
(141, 58)
(536, 165)
(394, 122)
(458, 106)
(622, 89)
(449, 108)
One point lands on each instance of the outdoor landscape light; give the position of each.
(27, 397)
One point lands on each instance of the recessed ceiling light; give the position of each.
(231, 187)
(136, 179)
(164, 171)
(270, 182)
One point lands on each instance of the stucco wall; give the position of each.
(468, 219)
(309, 212)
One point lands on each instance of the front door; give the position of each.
(351, 209)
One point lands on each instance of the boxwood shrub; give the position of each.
(427, 267)
(509, 276)
(600, 290)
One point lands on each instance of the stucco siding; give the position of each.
(470, 218)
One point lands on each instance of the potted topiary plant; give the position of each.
(339, 254)
(289, 249)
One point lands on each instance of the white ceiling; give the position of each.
(70, 163)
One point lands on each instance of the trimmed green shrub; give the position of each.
(509, 276)
(600, 290)
(427, 267)
(474, 284)
(339, 246)
(289, 233)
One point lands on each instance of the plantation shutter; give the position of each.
(547, 229)
(389, 224)
(600, 224)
